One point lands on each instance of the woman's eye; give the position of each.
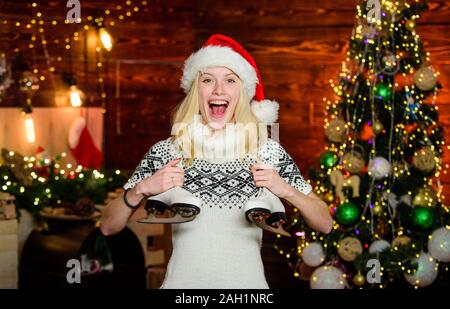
(206, 80)
(231, 81)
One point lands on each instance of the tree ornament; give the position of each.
(377, 127)
(366, 132)
(328, 277)
(347, 213)
(409, 128)
(410, 25)
(353, 161)
(377, 210)
(399, 167)
(359, 279)
(378, 246)
(367, 30)
(425, 78)
(426, 197)
(349, 248)
(329, 197)
(401, 240)
(426, 271)
(313, 254)
(339, 182)
(379, 167)
(424, 159)
(328, 160)
(383, 91)
(412, 107)
(389, 61)
(439, 244)
(336, 131)
(422, 217)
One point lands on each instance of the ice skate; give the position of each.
(267, 212)
(176, 205)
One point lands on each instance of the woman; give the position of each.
(219, 248)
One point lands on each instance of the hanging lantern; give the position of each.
(76, 96)
(29, 129)
(105, 38)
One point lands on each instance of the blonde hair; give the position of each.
(255, 134)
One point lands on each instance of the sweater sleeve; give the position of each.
(158, 156)
(285, 166)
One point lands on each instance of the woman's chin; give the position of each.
(217, 124)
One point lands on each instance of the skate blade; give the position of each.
(277, 229)
(176, 218)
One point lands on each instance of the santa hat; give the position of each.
(220, 50)
(82, 145)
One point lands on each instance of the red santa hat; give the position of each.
(220, 50)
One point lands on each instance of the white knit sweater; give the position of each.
(219, 248)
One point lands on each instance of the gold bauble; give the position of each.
(426, 197)
(336, 131)
(401, 240)
(349, 248)
(424, 159)
(399, 167)
(377, 210)
(411, 25)
(377, 127)
(359, 279)
(425, 78)
(329, 197)
(353, 161)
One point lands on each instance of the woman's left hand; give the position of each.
(266, 175)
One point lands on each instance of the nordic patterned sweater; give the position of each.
(219, 248)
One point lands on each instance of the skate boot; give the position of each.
(267, 212)
(179, 204)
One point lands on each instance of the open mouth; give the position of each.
(217, 108)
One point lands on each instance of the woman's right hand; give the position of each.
(164, 179)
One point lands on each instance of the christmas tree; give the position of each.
(380, 169)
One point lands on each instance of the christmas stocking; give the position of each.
(82, 146)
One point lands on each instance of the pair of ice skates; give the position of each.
(265, 210)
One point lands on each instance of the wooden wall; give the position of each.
(298, 45)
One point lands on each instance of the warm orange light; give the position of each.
(29, 129)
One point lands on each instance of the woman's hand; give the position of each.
(164, 179)
(266, 175)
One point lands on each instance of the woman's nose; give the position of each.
(218, 89)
